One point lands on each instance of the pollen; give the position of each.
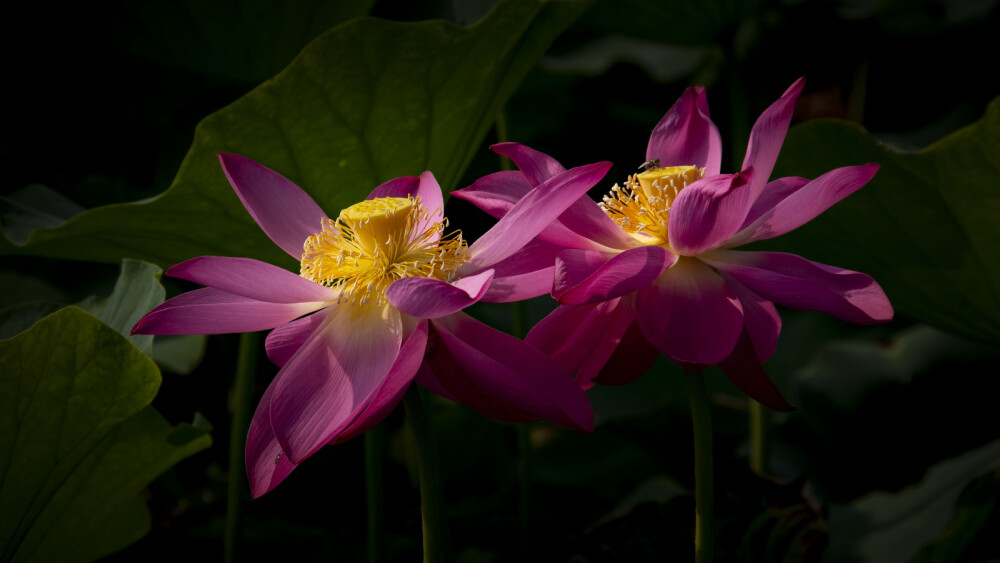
(642, 207)
(376, 242)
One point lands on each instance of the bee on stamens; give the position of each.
(649, 165)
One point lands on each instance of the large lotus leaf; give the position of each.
(363, 103)
(892, 527)
(926, 227)
(246, 40)
(78, 440)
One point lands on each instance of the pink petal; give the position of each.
(266, 465)
(531, 214)
(410, 358)
(525, 274)
(251, 278)
(760, 318)
(577, 280)
(804, 204)
(686, 136)
(743, 368)
(284, 212)
(334, 376)
(708, 212)
(404, 186)
(425, 376)
(282, 342)
(213, 311)
(425, 187)
(536, 167)
(429, 298)
(510, 373)
(495, 193)
(633, 357)
(794, 282)
(571, 333)
(690, 315)
(774, 192)
(768, 134)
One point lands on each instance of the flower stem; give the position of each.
(374, 455)
(760, 443)
(703, 470)
(432, 507)
(246, 370)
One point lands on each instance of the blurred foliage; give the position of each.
(890, 418)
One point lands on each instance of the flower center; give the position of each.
(376, 242)
(642, 207)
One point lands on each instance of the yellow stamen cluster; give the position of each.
(642, 207)
(376, 242)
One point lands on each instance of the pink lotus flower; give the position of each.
(652, 269)
(377, 305)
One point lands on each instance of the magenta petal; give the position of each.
(686, 136)
(631, 359)
(708, 212)
(410, 358)
(743, 368)
(519, 287)
(760, 318)
(690, 315)
(577, 281)
(495, 193)
(571, 333)
(774, 192)
(805, 203)
(768, 134)
(535, 166)
(425, 187)
(212, 311)
(251, 278)
(425, 377)
(282, 342)
(266, 465)
(794, 282)
(333, 377)
(531, 214)
(404, 186)
(284, 212)
(429, 298)
(512, 373)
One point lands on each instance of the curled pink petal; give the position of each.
(690, 315)
(768, 134)
(429, 298)
(425, 377)
(794, 282)
(266, 465)
(805, 203)
(333, 377)
(282, 342)
(495, 193)
(404, 186)
(425, 187)
(510, 373)
(531, 214)
(743, 368)
(708, 212)
(390, 393)
(536, 167)
(251, 278)
(577, 280)
(686, 136)
(284, 212)
(213, 311)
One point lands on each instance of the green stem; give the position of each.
(432, 507)
(375, 443)
(246, 370)
(760, 443)
(703, 470)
